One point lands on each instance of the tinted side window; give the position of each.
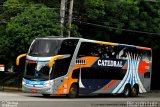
(60, 67)
(90, 49)
(103, 52)
(75, 74)
(68, 46)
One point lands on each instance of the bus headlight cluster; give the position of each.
(47, 85)
(23, 82)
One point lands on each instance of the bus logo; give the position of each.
(110, 63)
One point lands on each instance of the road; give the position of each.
(19, 99)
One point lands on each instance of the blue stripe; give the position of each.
(138, 76)
(126, 76)
(134, 65)
(131, 46)
(133, 72)
(130, 79)
(136, 72)
(34, 82)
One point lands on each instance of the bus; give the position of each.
(73, 66)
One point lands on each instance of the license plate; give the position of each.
(33, 91)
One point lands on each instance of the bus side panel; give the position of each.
(147, 79)
(138, 69)
(108, 88)
(145, 69)
(93, 76)
(106, 71)
(64, 87)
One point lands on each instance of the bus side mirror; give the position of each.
(51, 62)
(19, 57)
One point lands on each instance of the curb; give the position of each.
(155, 91)
(11, 88)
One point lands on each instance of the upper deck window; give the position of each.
(51, 47)
(44, 47)
(68, 46)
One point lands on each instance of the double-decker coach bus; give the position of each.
(74, 66)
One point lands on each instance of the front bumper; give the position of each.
(35, 89)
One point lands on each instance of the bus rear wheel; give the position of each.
(73, 91)
(127, 91)
(135, 91)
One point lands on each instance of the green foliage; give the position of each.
(23, 20)
(12, 8)
(33, 22)
(95, 8)
(116, 15)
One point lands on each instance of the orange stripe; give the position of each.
(110, 84)
(144, 48)
(90, 60)
(107, 43)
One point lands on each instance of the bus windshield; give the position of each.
(37, 70)
(44, 47)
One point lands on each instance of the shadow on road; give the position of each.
(81, 96)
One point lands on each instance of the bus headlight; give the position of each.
(23, 82)
(47, 85)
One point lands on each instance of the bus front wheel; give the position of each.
(73, 91)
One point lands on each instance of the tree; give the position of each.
(115, 15)
(23, 28)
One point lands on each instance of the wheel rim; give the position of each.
(126, 91)
(73, 92)
(134, 91)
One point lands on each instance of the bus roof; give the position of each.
(95, 41)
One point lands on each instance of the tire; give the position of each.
(135, 91)
(127, 91)
(46, 95)
(73, 91)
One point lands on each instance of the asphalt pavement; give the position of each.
(20, 99)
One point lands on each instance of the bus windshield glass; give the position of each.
(44, 47)
(37, 70)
